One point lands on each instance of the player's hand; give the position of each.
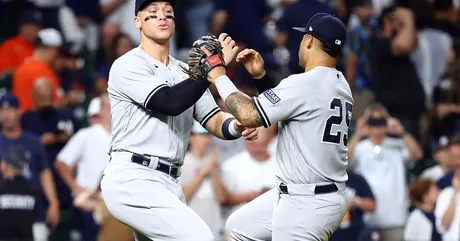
(215, 72)
(229, 47)
(249, 134)
(52, 215)
(395, 127)
(253, 62)
(48, 139)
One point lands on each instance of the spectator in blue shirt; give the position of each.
(297, 14)
(454, 154)
(55, 127)
(37, 168)
(360, 201)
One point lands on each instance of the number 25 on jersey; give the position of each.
(329, 137)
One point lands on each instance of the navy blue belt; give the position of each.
(323, 189)
(171, 169)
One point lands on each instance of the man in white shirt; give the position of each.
(248, 174)
(380, 159)
(88, 147)
(447, 211)
(198, 175)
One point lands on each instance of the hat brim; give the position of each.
(303, 30)
(147, 2)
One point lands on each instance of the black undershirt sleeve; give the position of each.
(174, 100)
(265, 83)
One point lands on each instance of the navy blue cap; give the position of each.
(328, 29)
(440, 144)
(31, 17)
(140, 4)
(15, 156)
(9, 100)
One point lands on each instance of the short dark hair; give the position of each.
(333, 52)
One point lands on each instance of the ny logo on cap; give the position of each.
(310, 29)
(338, 42)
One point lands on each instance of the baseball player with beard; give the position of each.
(313, 110)
(153, 106)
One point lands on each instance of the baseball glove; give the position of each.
(200, 63)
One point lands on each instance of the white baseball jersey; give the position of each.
(314, 111)
(134, 78)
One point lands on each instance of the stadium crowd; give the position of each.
(402, 61)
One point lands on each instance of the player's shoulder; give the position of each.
(134, 57)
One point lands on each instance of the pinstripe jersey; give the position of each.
(134, 78)
(313, 111)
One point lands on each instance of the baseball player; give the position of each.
(313, 110)
(153, 106)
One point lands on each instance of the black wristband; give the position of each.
(264, 83)
(225, 131)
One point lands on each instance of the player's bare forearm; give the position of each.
(214, 125)
(244, 110)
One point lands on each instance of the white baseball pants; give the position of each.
(150, 202)
(288, 217)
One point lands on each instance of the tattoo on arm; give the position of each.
(242, 107)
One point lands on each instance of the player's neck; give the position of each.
(320, 60)
(157, 51)
(12, 133)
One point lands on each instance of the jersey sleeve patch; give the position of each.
(271, 96)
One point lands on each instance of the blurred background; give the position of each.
(401, 59)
